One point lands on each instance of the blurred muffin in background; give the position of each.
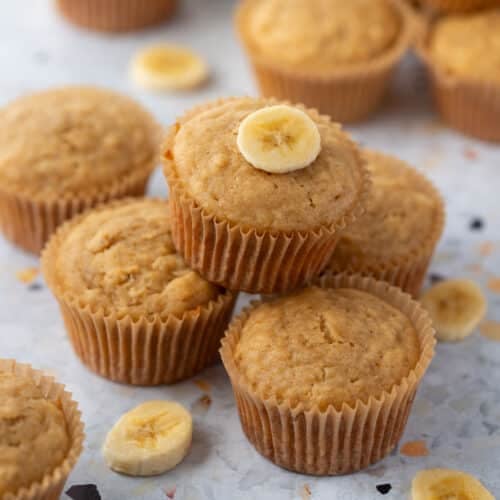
(448, 6)
(462, 54)
(66, 150)
(332, 55)
(116, 15)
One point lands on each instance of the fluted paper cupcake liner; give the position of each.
(469, 105)
(51, 485)
(448, 6)
(116, 15)
(139, 351)
(347, 94)
(333, 441)
(406, 271)
(248, 259)
(28, 223)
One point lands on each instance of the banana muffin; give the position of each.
(332, 55)
(40, 433)
(116, 15)
(395, 238)
(455, 6)
(65, 150)
(259, 191)
(152, 319)
(307, 366)
(463, 58)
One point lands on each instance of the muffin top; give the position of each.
(121, 258)
(319, 35)
(320, 347)
(203, 156)
(468, 45)
(74, 142)
(33, 435)
(402, 214)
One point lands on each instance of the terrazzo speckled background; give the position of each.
(457, 412)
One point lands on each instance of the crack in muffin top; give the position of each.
(122, 259)
(320, 347)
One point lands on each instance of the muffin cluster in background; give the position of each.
(267, 195)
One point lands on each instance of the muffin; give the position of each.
(449, 6)
(332, 55)
(261, 231)
(66, 150)
(462, 55)
(395, 238)
(41, 434)
(324, 378)
(135, 313)
(116, 15)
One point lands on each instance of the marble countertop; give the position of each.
(457, 411)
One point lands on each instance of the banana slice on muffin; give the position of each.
(279, 139)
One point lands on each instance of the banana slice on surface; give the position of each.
(150, 439)
(279, 139)
(447, 484)
(456, 308)
(168, 67)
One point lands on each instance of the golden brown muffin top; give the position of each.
(319, 35)
(33, 435)
(320, 347)
(210, 167)
(121, 258)
(74, 142)
(402, 213)
(468, 45)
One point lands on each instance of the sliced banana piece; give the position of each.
(279, 139)
(447, 484)
(150, 439)
(168, 67)
(456, 308)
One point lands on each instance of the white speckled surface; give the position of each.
(457, 411)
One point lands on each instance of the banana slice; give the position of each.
(168, 67)
(456, 307)
(279, 139)
(447, 484)
(150, 439)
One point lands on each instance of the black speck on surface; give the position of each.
(436, 442)
(485, 409)
(476, 224)
(35, 287)
(436, 278)
(384, 488)
(84, 492)
(491, 428)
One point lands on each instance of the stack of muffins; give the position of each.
(325, 370)
(266, 197)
